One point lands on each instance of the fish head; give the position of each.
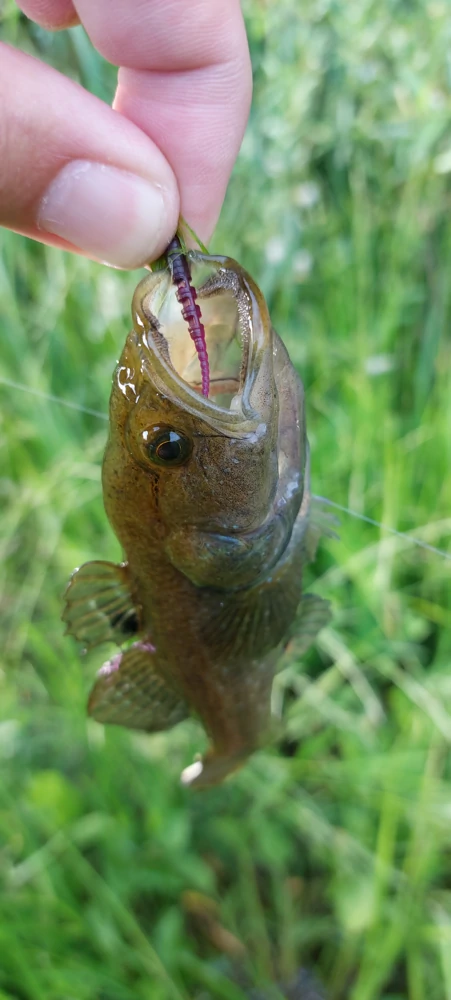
(180, 467)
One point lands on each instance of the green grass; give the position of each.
(333, 851)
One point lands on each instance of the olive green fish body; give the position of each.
(210, 501)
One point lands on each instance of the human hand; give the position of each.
(111, 183)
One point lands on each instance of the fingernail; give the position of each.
(108, 213)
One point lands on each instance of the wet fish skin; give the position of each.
(214, 546)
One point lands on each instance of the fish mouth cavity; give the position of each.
(227, 317)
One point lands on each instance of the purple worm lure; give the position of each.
(186, 295)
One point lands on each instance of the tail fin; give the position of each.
(213, 768)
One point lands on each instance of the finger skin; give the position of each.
(200, 136)
(52, 14)
(186, 81)
(165, 35)
(46, 121)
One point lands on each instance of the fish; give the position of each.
(210, 500)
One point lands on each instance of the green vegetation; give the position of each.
(333, 851)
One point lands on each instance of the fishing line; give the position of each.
(53, 399)
(384, 527)
(331, 503)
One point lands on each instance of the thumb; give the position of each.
(76, 173)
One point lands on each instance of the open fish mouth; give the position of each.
(227, 342)
(231, 316)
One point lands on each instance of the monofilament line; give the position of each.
(330, 503)
(384, 527)
(53, 399)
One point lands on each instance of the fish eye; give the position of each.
(167, 447)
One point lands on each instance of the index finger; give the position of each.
(185, 80)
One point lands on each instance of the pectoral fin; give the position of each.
(313, 614)
(99, 606)
(129, 692)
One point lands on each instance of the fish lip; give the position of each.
(248, 419)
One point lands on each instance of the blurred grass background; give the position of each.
(333, 851)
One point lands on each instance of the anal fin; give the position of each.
(99, 605)
(128, 692)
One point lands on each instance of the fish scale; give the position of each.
(211, 505)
